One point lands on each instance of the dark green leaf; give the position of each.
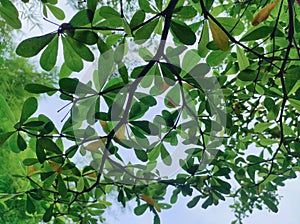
(137, 19)
(141, 155)
(29, 108)
(165, 155)
(139, 210)
(144, 33)
(72, 59)
(257, 33)
(21, 143)
(92, 4)
(108, 12)
(37, 88)
(5, 136)
(82, 18)
(183, 33)
(68, 85)
(30, 161)
(86, 37)
(271, 205)
(30, 208)
(32, 46)
(48, 214)
(9, 12)
(193, 202)
(49, 56)
(62, 189)
(83, 51)
(209, 201)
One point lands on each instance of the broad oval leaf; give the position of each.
(256, 33)
(32, 46)
(57, 12)
(183, 33)
(144, 33)
(49, 56)
(219, 36)
(29, 108)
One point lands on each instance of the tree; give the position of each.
(249, 101)
(15, 73)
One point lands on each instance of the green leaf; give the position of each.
(260, 127)
(10, 14)
(257, 32)
(30, 161)
(183, 33)
(83, 51)
(209, 201)
(49, 145)
(62, 189)
(82, 18)
(108, 12)
(29, 108)
(68, 85)
(193, 202)
(230, 23)
(243, 61)
(247, 75)
(145, 6)
(38, 88)
(186, 12)
(92, 5)
(86, 37)
(271, 205)
(165, 155)
(139, 210)
(32, 46)
(72, 59)
(295, 103)
(57, 12)
(216, 57)
(146, 126)
(5, 136)
(204, 39)
(137, 18)
(80, 184)
(30, 208)
(141, 155)
(144, 33)
(48, 214)
(49, 56)
(21, 143)
(40, 152)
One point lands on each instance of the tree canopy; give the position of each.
(197, 97)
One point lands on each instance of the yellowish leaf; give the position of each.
(264, 13)
(150, 201)
(219, 36)
(120, 134)
(104, 126)
(56, 167)
(95, 145)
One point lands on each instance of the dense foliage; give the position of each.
(151, 95)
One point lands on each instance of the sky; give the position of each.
(179, 213)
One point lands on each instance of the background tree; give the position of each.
(253, 50)
(15, 73)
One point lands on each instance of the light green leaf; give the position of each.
(243, 61)
(260, 127)
(57, 12)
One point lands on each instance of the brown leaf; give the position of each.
(219, 36)
(264, 13)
